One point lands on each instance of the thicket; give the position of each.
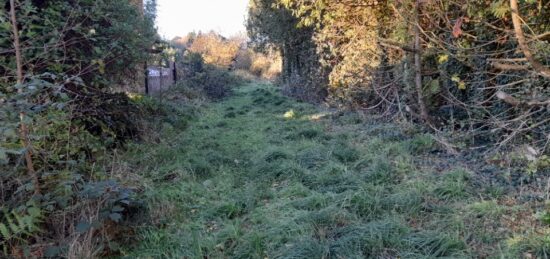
(214, 63)
(474, 71)
(213, 81)
(61, 63)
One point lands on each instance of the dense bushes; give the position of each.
(215, 49)
(216, 83)
(214, 64)
(219, 53)
(270, 26)
(60, 120)
(213, 81)
(457, 66)
(263, 65)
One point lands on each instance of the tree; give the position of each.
(271, 24)
(24, 132)
(453, 63)
(60, 66)
(151, 9)
(215, 49)
(517, 20)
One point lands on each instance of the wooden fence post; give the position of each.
(146, 78)
(175, 72)
(161, 82)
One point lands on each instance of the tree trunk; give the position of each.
(285, 71)
(418, 64)
(23, 130)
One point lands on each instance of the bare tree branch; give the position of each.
(23, 131)
(516, 19)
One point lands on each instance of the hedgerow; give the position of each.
(61, 64)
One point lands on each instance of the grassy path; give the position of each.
(262, 176)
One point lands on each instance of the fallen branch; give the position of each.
(394, 45)
(507, 59)
(544, 36)
(450, 148)
(509, 99)
(509, 67)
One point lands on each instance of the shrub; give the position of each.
(215, 82)
(243, 60)
(215, 49)
(57, 200)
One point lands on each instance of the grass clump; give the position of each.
(313, 202)
(313, 157)
(276, 156)
(336, 178)
(368, 201)
(436, 244)
(489, 209)
(532, 245)
(421, 144)
(346, 154)
(374, 239)
(200, 168)
(230, 115)
(305, 134)
(453, 186)
(381, 171)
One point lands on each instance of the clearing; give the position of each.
(260, 175)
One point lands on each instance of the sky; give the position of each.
(178, 17)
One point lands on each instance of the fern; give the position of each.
(14, 225)
(500, 9)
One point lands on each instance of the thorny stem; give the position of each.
(23, 130)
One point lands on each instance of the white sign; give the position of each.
(152, 72)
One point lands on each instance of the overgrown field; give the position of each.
(259, 175)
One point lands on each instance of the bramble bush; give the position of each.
(213, 63)
(214, 81)
(457, 66)
(74, 55)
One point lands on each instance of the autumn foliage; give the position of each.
(463, 67)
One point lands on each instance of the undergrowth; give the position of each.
(262, 176)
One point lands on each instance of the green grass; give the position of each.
(259, 175)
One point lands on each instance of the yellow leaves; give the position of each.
(134, 96)
(461, 84)
(215, 49)
(290, 115)
(101, 65)
(455, 78)
(443, 58)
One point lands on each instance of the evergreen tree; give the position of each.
(151, 9)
